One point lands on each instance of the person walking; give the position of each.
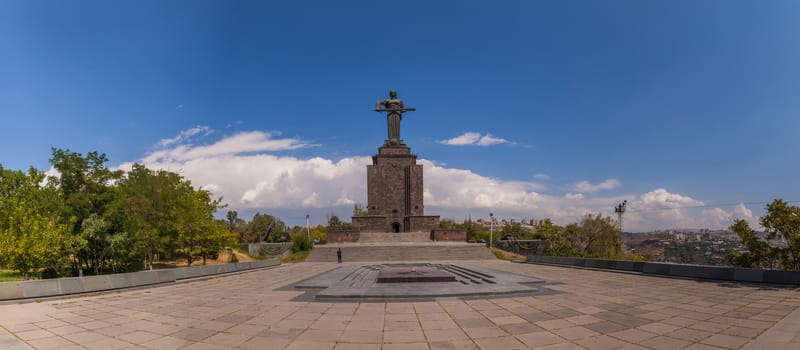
(339, 255)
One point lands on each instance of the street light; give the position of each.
(491, 229)
(308, 231)
(620, 210)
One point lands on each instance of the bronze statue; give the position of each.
(394, 109)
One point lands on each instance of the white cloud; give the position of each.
(661, 199)
(474, 139)
(661, 209)
(586, 186)
(718, 217)
(243, 142)
(542, 177)
(573, 196)
(185, 134)
(241, 169)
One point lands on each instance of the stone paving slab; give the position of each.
(256, 310)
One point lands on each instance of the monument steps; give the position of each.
(374, 237)
(402, 252)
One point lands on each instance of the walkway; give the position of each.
(588, 309)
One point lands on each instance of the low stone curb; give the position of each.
(738, 274)
(88, 284)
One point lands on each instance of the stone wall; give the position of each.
(374, 223)
(450, 235)
(677, 270)
(423, 223)
(343, 236)
(74, 285)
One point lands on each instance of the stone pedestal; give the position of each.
(394, 193)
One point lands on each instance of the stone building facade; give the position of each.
(395, 193)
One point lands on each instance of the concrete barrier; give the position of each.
(40, 288)
(748, 275)
(75, 285)
(725, 273)
(70, 285)
(10, 290)
(96, 283)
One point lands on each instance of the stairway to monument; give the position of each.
(401, 252)
(391, 237)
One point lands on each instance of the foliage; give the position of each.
(264, 224)
(197, 232)
(236, 224)
(360, 210)
(597, 237)
(31, 236)
(504, 255)
(10, 275)
(295, 257)
(319, 233)
(336, 224)
(91, 218)
(85, 185)
(782, 246)
(300, 243)
(594, 236)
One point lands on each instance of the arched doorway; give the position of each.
(396, 227)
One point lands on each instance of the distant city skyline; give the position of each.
(687, 110)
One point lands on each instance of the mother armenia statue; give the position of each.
(394, 109)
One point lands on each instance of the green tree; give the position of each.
(758, 254)
(93, 241)
(555, 238)
(359, 210)
(84, 183)
(145, 208)
(264, 224)
(782, 224)
(236, 224)
(198, 233)
(597, 236)
(782, 246)
(31, 236)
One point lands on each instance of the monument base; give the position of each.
(414, 274)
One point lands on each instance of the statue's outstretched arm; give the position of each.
(378, 104)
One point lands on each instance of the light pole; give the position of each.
(308, 231)
(620, 209)
(491, 229)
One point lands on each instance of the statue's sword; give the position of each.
(396, 110)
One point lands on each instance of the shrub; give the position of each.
(300, 244)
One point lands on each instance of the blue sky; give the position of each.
(664, 103)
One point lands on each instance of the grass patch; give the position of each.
(10, 275)
(504, 255)
(295, 257)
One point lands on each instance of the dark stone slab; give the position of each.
(780, 276)
(414, 274)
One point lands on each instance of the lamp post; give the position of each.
(620, 210)
(308, 231)
(491, 229)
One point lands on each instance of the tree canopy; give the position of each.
(781, 246)
(92, 218)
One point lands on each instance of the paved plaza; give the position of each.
(585, 309)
